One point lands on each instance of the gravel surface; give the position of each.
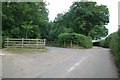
(59, 63)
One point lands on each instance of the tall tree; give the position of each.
(58, 27)
(24, 19)
(84, 16)
(98, 32)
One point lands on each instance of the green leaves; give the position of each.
(98, 31)
(113, 43)
(20, 18)
(79, 39)
(85, 18)
(88, 14)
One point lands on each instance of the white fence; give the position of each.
(25, 43)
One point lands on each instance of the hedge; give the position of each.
(106, 43)
(82, 40)
(115, 48)
(113, 42)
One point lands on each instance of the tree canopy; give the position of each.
(30, 20)
(85, 18)
(24, 20)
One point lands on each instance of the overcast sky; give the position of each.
(60, 6)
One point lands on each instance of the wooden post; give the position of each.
(71, 44)
(36, 43)
(44, 42)
(22, 42)
(7, 42)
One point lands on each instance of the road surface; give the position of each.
(60, 63)
(0, 64)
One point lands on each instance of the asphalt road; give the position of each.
(0, 64)
(60, 63)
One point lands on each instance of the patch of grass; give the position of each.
(25, 50)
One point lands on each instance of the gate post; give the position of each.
(22, 42)
(44, 43)
(7, 42)
(36, 43)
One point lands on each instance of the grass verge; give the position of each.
(25, 50)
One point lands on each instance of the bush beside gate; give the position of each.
(75, 38)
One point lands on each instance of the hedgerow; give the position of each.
(80, 39)
(113, 42)
(115, 48)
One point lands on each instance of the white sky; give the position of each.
(60, 6)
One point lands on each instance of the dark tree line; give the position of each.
(30, 20)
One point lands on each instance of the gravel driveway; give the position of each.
(60, 63)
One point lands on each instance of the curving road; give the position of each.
(60, 63)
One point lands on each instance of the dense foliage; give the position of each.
(106, 43)
(113, 44)
(119, 51)
(30, 20)
(98, 32)
(115, 48)
(85, 18)
(79, 39)
(24, 20)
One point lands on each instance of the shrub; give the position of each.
(80, 39)
(106, 43)
(88, 42)
(119, 51)
(108, 40)
(64, 37)
(114, 47)
(102, 43)
(113, 44)
(3, 41)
